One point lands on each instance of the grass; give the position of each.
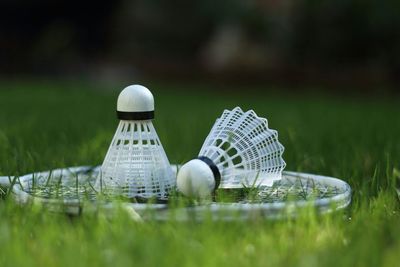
(51, 125)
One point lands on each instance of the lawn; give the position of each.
(45, 125)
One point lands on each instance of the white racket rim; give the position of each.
(214, 210)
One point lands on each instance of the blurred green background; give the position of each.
(341, 45)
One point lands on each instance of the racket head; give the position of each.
(71, 190)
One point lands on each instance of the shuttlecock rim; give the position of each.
(214, 169)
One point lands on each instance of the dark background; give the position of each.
(337, 44)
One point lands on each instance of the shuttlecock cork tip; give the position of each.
(135, 102)
(196, 179)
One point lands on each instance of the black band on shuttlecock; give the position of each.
(134, 116)
(214, 169)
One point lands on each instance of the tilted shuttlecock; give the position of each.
(240, 150)
(136, 164)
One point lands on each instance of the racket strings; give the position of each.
(297, 189)
(80, 187)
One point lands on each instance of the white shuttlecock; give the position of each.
(136, 164)
(239, 151)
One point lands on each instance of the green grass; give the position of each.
(51, 125)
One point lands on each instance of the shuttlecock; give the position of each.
(239, 151)
(136, 164)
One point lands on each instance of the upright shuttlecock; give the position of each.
(240, 150)
(136, 164)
